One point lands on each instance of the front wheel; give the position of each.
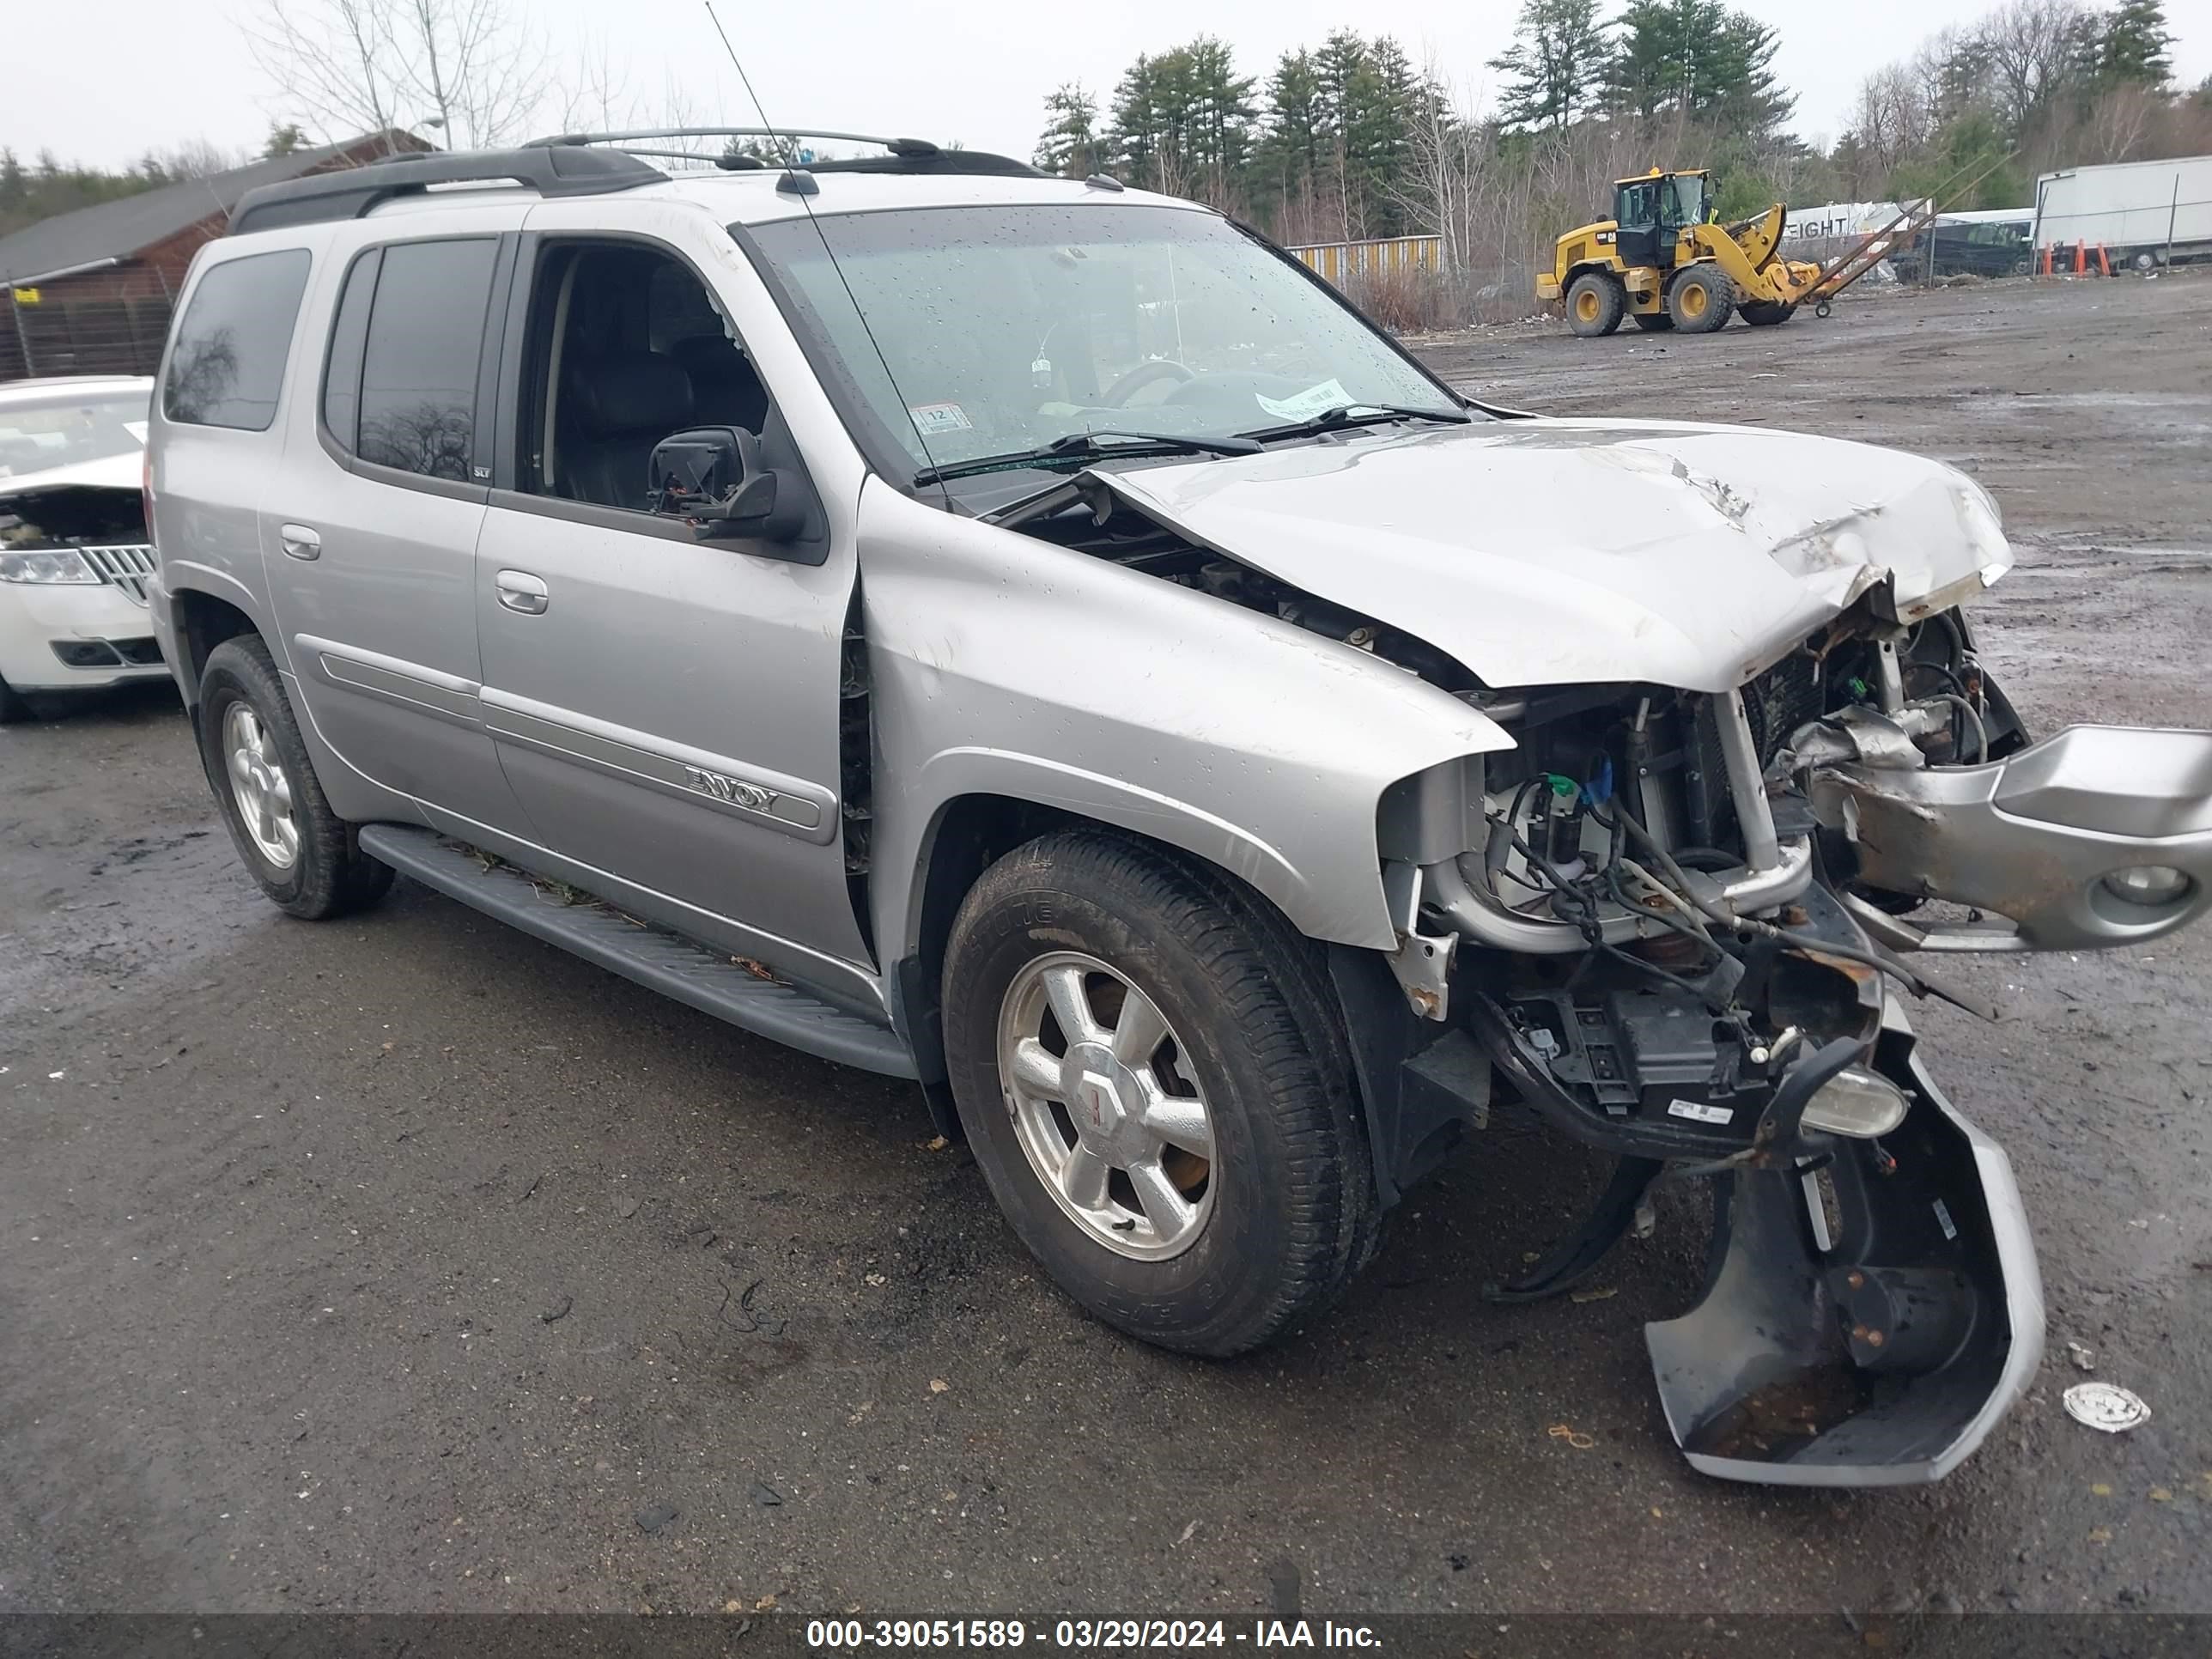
(1152, 1079)
(1595, 301)
(1700, 299)
(305, 856)
(1764, 313)
(12, 705)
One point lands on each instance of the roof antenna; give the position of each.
(802, 186)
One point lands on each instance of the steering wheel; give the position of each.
(1117, 395)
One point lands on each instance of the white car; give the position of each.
(74, 553)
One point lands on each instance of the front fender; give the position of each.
(1004, 666)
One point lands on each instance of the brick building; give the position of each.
(89, 292)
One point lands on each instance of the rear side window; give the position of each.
(418, 372)
(227, 363)
(349, 334)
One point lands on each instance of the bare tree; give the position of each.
(1894, 118)
(471, 64)
(347, 66)
(334, 63)
(2035, 50)
(595, 95)
(2121, 122)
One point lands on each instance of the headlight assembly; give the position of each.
(1856, 1101)
(60, 567)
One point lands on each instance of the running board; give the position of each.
(651, 957)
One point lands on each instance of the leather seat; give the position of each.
(619, 406)
(726, 389)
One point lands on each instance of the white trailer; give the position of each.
(2142, 212)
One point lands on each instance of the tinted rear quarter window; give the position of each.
(426, 330)
(227, 363)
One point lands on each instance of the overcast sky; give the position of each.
(103, 81)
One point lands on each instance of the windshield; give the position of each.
(1687, 199)
(1003, 329)
(38, 434)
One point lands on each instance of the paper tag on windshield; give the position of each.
(1304, 405)
(137, 429)
(932, 418)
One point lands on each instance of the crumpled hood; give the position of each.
(1550, 551)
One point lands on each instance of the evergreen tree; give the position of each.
(2135, 44)
(1556, 63)
(1296, 125)
(1698, 57)
(1069, 146)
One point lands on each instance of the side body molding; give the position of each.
(1003, 665)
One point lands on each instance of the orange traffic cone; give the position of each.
(2104, 265)
(2081, 258)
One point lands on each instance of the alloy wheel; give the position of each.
(260, 786)
(1105, 1107)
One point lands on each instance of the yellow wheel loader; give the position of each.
(1659, 262)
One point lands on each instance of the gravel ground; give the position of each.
(405, 1264)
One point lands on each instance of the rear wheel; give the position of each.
(1700, 298)
(1764, 314)
(1652, 322)
(1154, 1083)
(1594, 302)
(304, 855)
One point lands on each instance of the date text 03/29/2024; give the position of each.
(852, 1635)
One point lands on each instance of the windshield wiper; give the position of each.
(1350, 414)
(1090, 447)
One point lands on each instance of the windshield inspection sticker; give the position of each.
(1304, 405)
(1698, 1112)
(932, 418)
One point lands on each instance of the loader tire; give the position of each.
(1652, 322)
(1594, 302)
(1764, 314)
(1700, 298)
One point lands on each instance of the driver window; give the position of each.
(626, 348)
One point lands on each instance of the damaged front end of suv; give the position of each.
(1679, 925)
(1674, 921)
(1680, 915)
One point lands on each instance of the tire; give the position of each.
(1282, 1212)
(1652, 322)
(1700, 298)
(12, 705)
(1764, 313)
(327, 874)
(1594, 302)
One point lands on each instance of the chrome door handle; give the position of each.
(520, 590)
(299, 542)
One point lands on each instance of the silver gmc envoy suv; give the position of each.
(1033, 637)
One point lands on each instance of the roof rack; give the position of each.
(909, 156)
(352, 192)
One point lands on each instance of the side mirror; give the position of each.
(714, 477)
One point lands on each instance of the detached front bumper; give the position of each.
(1865, 1325)
(2097, 836)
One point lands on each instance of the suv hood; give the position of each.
(1540, 551)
